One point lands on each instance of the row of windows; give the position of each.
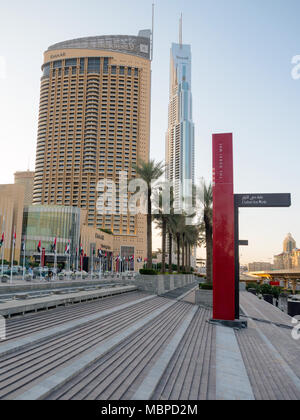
(93, 66)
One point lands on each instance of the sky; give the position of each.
(242, 82)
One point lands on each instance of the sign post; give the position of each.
(223, 230)
(226, 243)
(251, 201)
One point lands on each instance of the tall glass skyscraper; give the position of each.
(180, 136)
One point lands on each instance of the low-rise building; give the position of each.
(63, 225)
(26, 178)
(260, 266)
(11, 215)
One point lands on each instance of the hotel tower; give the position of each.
(180, 135)
(94, 122)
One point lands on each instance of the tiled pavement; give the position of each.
(155, 348)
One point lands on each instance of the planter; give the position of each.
(283, 303)
(293, 308)
(268, 298)
(253, 291)
(161, 284)
(204, 298)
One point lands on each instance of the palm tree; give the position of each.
(149, 172)
(171, 229)
(167, 224)
(179, 227)
(161, 222)
(192, 238)
(207, 227)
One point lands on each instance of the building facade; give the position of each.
(26, 179)
(46, 224)
(11, 215)
(94, 122)
(260, 266)
(290, 257)
(289, 243)
(180, 144)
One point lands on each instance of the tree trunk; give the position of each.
(178, 252)
(164, 237)
(183, 253)
(187, 264)
(149, 231)
(170, 252)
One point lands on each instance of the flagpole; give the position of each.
(24, 251)
(3, 227)
(41, 252)
(92, 265)
(69, 254)
(81, 261)
(100, 258)
(55, 263)
(69, 263)
(12, 258)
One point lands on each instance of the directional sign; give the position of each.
(262, 200)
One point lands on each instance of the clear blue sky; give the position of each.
(242, 52)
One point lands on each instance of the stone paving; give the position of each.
(140, 346)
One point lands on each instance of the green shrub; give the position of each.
(252, 286)
(276, 290)
(266, 289)
(147, 272)
(205, 286)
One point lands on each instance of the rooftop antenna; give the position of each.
(152, 36)
(180, 31)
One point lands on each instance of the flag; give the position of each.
(2, 240)
(39, 247)
(23, 246)
(53, 246)
(99, 253)
(67, 249)
(76, 252)
(80, 250)
(14, 238)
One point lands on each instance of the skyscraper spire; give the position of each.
(180, 31)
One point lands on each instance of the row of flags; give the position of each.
(53, 247)
(101, 254)
(2, 239)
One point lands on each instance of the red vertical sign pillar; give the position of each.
(223, 229)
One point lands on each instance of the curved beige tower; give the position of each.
(94, 122)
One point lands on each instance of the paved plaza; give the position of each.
(140, 346)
